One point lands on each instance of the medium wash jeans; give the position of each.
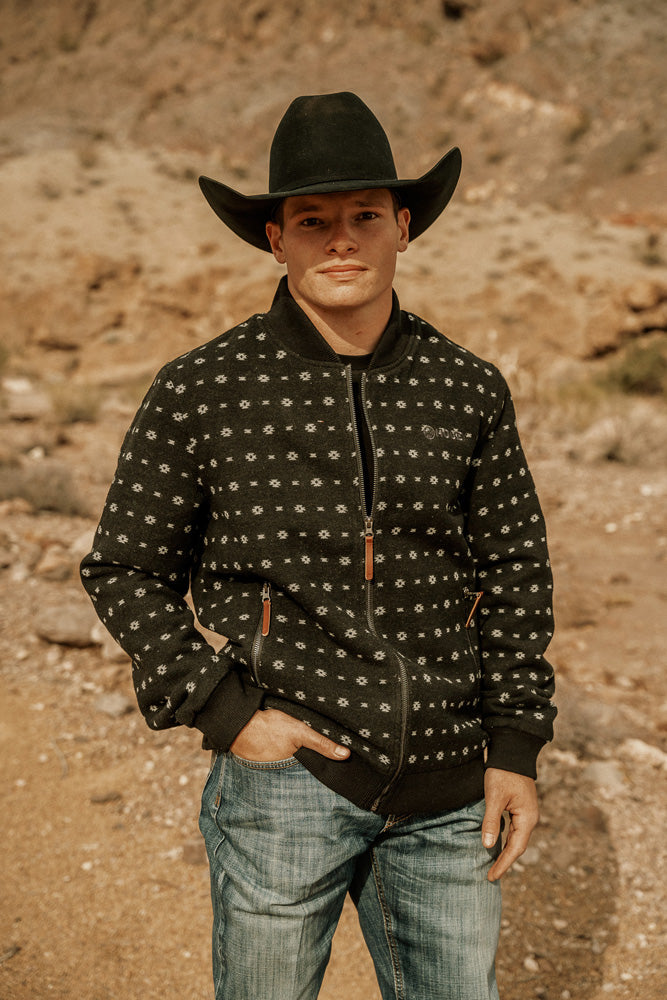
(284, 851)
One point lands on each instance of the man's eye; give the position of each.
(310, 221)
(368, 215)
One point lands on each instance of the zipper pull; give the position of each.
(368, 543)
(478, 594)
(266, 608)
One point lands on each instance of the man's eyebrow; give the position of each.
(319, 206)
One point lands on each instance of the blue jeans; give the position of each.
(284, 850)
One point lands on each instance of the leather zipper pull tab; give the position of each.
(266, 608)
(368, 550)
(478, 597)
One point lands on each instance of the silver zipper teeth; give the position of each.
(259, 638)
(369, 590)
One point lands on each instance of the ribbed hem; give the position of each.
(230, 707)
(514, 750)
(414, 792)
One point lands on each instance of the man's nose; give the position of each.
(341, 238)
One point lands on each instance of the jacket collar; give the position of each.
(289, 323)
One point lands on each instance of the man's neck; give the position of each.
(350, 331)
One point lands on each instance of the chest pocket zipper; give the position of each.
(470, 621)
(262, 630)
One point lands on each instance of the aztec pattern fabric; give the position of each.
(414, 635)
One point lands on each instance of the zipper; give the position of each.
(369, 571)
(263, 628)
(477, 594)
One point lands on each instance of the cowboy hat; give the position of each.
(327, 143)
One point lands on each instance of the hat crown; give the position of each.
(328, 138)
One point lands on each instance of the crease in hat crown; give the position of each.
(327, 143)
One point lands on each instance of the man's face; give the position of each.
(340, 249)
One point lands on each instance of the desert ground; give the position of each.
(551, 261)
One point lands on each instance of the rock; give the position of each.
(531, 964)
(54, 565)
(101, 798)
(645, 294)
(593, 818)
(531, 856)
(46, 484)
(67, 624)
(604, 773)
(114, 704)
(643, 753)
(109, 648)
(82, 544)
(24, 401)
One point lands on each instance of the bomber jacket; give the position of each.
(409, 626)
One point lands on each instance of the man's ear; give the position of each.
(403, 220)
(274, 235)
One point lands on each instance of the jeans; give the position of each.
(284, 850)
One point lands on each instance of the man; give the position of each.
(344, 493)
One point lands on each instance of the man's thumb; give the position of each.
(490, 827)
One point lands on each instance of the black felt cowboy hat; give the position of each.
(325, 143)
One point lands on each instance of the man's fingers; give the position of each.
(273, 735)
(322, 745)
(517, 843)
(515, 793)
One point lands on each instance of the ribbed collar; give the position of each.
(289, 323)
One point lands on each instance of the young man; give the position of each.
(344, 493)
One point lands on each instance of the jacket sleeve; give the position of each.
(507, 537)
(138, 574)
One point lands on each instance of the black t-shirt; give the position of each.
(359, 363)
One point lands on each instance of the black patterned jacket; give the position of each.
(415, 635)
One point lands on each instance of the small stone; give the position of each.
(109, 648)
(54, 565)
(68, 624)
(605, 773)
(531, 964)
(594, 818)
(643, 753)
(103, 797)
(645, 294)
(114, 704)
(24, 400)
(531, 856)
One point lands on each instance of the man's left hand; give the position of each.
(516, 794)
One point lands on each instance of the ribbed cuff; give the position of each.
(230, 707)
(514, 750)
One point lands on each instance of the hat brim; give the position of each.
(425, 197)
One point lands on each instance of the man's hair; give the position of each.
(278, 210)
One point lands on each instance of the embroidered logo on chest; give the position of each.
(451, 433)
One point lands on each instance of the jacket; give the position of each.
(412, 631)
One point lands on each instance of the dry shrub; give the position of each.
(640, 370)
(617, 412)
(46, 485)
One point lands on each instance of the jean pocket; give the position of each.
(264, 765)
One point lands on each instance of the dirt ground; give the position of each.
(111, 264)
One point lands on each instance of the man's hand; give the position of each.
(274, 735)
(504, 790)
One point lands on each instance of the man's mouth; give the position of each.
(343, 269)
